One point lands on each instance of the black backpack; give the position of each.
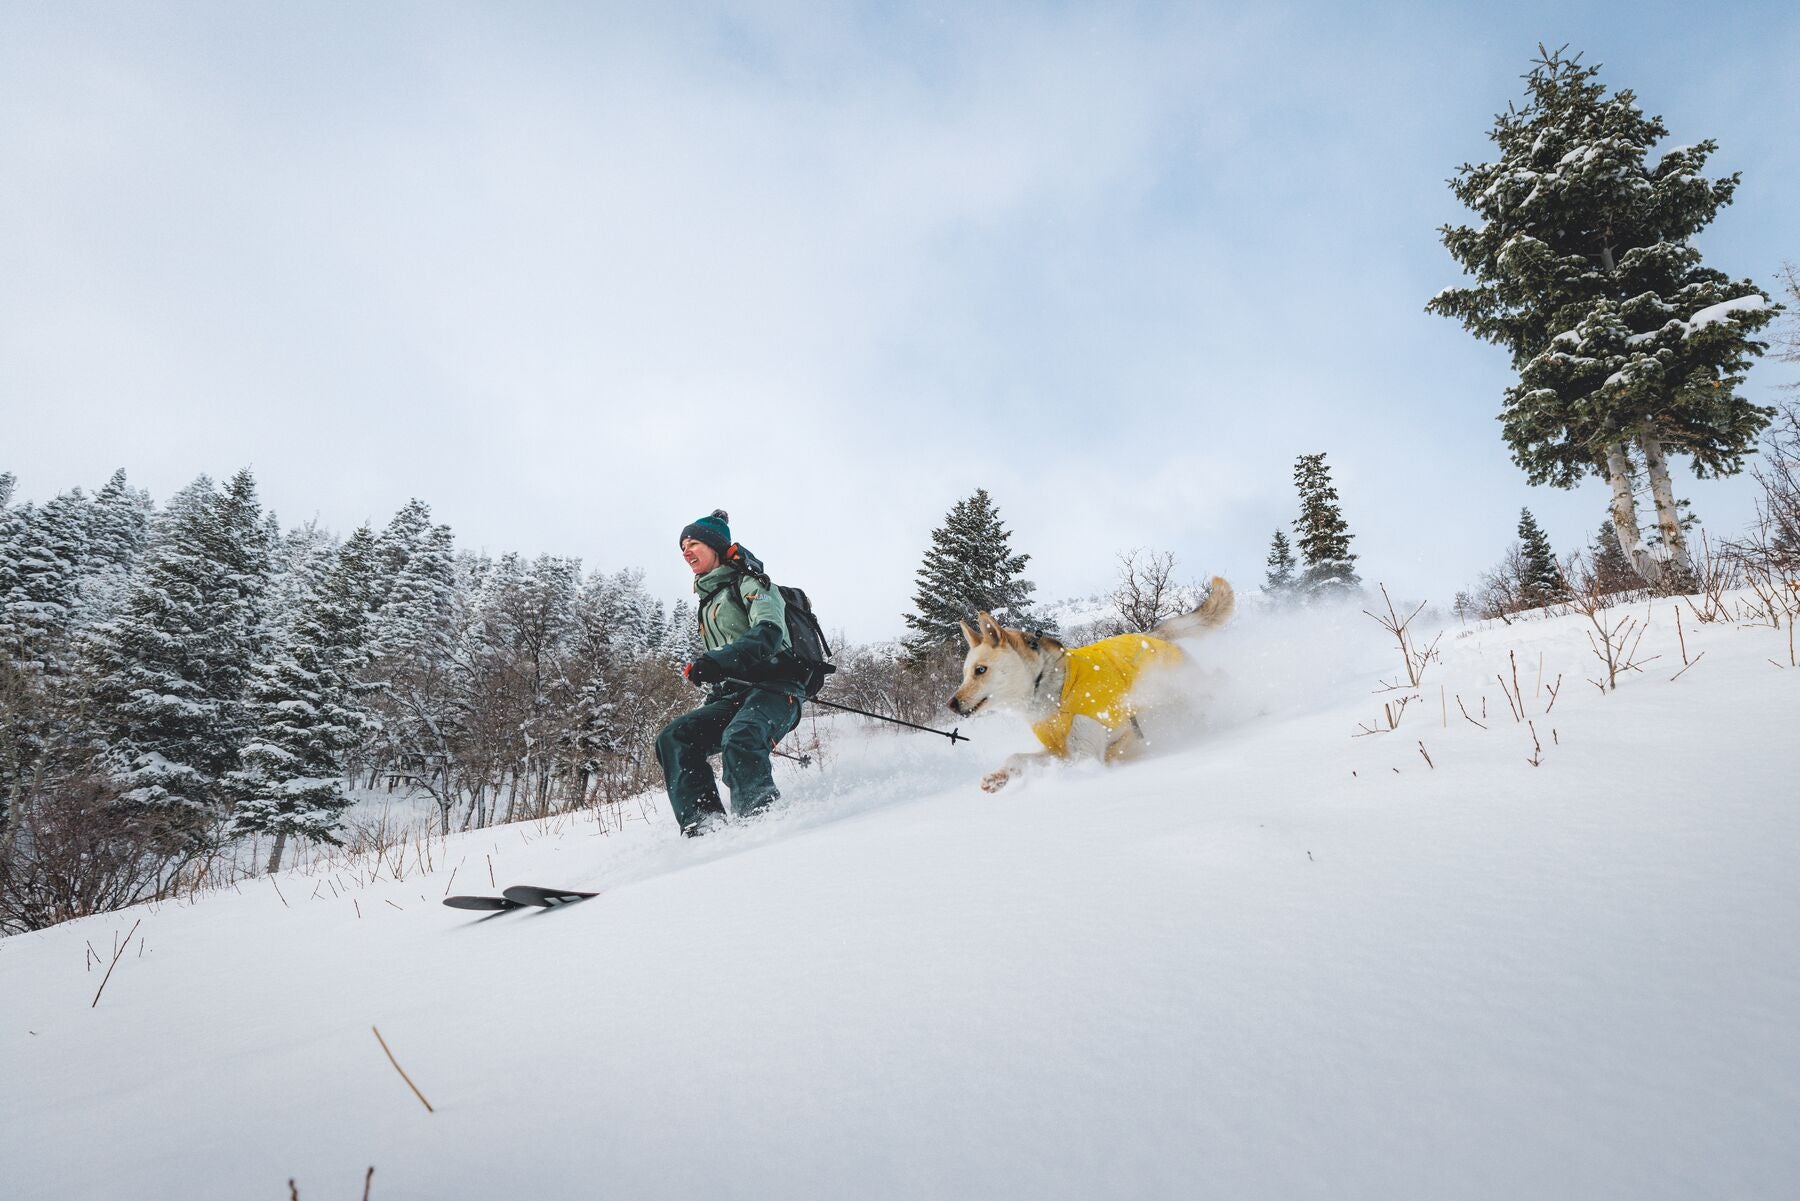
(807, 660)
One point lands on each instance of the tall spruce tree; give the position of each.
(118, 526)
(1541, 579)
(1279, 583)
(306, 710)
(42, 551)
(970, 568)
(1321, 532)
(170, 671)
(1627, 348)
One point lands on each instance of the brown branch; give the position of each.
(1465, 713)
(1683, 671)
(115, 963)
(403, 1075)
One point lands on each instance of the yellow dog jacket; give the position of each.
(1098, 685)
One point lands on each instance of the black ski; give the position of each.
(545, 898)
(496, 904)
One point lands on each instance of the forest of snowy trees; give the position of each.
(176, 679)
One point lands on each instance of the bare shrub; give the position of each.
(887, 680)
(1500, 592)
(75, 850)
(1147, 595)
(1614, 636)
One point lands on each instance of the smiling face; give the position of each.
(1000, 669)
(701, 557)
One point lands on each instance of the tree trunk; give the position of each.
(1624, 514)
(275, 855)
(1668, 519)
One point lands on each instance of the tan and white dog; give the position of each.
(1082, 702)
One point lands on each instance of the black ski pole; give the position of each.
(955, 736)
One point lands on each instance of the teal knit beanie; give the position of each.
(712, 530)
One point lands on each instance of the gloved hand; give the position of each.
(703, 671)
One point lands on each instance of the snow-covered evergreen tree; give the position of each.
(1627, 348)
(681, 641)
(616, 616)
(1321, 532)
(405, 533)
(1541, 579)
(42, 551)
(969, 568)
(170, 672)
(118, 526)
(417, 620)
(1278, 583)
(420, 686)
(596, 734)
(302, 558)
(304, 703)
(7, 482)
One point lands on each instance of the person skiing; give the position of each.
(754, 697)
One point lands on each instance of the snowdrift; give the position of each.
(1468, 956)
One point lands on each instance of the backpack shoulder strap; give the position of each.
(734, 588)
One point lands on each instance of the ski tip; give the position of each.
(545, 898)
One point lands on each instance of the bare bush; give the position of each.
(73, 850)
(1773, 544)
(1147, 595)
(896, 683)
(1614, 636)
(1500, 592)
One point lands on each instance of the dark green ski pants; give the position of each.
(743, 725)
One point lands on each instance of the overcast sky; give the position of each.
(576, 274)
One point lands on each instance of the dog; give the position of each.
(1082, 702)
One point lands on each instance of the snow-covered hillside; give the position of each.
(1286, 962)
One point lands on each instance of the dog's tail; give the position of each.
(1215, 612)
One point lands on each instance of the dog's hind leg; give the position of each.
(1128, 743)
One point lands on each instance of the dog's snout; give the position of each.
(954, 704)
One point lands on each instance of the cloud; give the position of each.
(577, 275)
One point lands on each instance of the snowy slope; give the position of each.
(1286, 962)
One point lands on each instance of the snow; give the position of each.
(1285, 961)
(1713, 314)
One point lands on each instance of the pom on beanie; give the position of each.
(713, 530)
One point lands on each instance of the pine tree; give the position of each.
(417, 620)
(1611, 570)
(616, 616)
(7, 482)
(420, 688)
(170, 672)
(304, 703)
(41, 555)
(118, 526)
(1626, 346)
(1322, 534)
(1278, 584)
(1541, 580)
(970, 568)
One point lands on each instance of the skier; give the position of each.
(754, 699)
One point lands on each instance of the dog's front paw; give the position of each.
(994, 781)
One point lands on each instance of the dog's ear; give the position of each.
(991, 630)
(969, 635)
